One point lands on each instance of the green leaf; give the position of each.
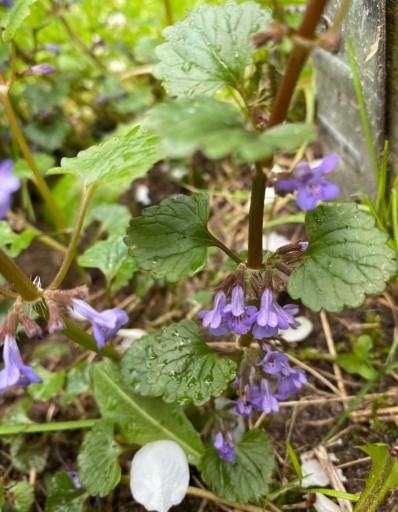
(23, 496)
(288, 137)
(187, 125)
(15, 17)
(133, 364)
(99, 469)
(113, 218)
(51, 350)
(2, 501)
(139, 419)
(17, 413)
(347, 258)
(118, 160)
(28, 454)
(23, 171)
(15, 242)
(51, 385)
(78, 381)
(183, 368)
(209, 48)
(383, 477)
(109, 256)
(62, 495)
(171, 239)
(358, 361)
(248, 478)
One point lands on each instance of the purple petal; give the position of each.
(329, 190)
(328, 164)
(287, 185)
(306, 200)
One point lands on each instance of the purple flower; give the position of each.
(238, 317)
(7, 3)
(310, 183)
(290, 380)
(274, 361)
(15, 373)
(213, 318)
(9, 184)
(38, 69)
(272, 316)
(264, 399)
(105, 324)
(225, 448)
(75, 478)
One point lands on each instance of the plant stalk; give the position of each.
(70, 254)
(17, 279)
(295, 64)
(38, 178)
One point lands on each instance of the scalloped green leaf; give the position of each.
(209, 48)
(14, 18)
(248, 478)
(133, 364)
(29, 454)
(51, 385)
(23, 496)
(216, 128)
(62, 495)
(183, 368)
(118, 160)
(110, 256)
(15, 243)
(99, 468)
(140, 419)
(347, 258)
(171, 239)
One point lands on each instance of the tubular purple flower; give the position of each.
(225, 448)
(213, 318)
(272, 316)
(7, 3)
(310, 184)
(274, 361)
(290, 381)
(15, 373)
(238, 317)
(38, 69)
(264, 399)
(105, 324)
(9, 185)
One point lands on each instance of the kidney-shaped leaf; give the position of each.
(171, 239)
(246, 479)
(117, 160)
(183, 368)
(347, 258)
(209, 48)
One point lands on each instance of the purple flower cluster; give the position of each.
(238, 318)
(15, 372)
(261, 396)
(310, 184)
(9, 185)
(225, 448)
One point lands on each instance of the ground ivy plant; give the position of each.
(216, 67)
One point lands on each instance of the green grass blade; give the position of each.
(362, 109)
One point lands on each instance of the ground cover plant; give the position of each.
(192, 313)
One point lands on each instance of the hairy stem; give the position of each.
(17, 279)
(38, 178)
(295, 63)
(70, 254)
